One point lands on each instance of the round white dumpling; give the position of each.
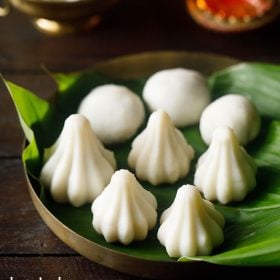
(114, 111)
(234, 111)
(182, 93)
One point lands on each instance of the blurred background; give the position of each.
(129, 27)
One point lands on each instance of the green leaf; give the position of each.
(252, 226)
(251, 238)
(30, 108)
(34, 114)
(258, 81)
(267, 155)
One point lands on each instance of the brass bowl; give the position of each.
(58, 17)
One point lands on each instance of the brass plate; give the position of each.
(134, 66)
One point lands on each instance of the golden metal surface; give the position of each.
(134, 66)
(5, 10)
(55, 27)
(57, 17)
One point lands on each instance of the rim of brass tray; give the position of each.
(124, 67)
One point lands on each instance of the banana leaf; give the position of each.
(252, 231)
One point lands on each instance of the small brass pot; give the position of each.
(58, 17)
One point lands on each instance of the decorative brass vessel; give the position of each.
(58, 17)
(221, 22)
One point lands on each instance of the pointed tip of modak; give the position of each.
(77, 121)
(124, 172)
(126, 181)
(160, 116)
(224, 134)
(125, 177)
(189, 189)
(77, 118)
(188, 193)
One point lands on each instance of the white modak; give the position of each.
(191, 226)
(225, 172)
(160, 153)
(232, 110)
(77, 167)
(115, 112)
(182, 93)
(124, 211)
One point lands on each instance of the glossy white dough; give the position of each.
(225, 172)
(232, 110)
(77, 167)
(114, 111)
(124, 211)
(191, 226)
(160, 154)
(180, 92)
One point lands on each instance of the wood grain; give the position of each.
(134, 26)
(52, 267)
(22, 230)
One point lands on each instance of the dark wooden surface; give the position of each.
(28, 248)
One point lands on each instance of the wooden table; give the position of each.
(28, 249)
